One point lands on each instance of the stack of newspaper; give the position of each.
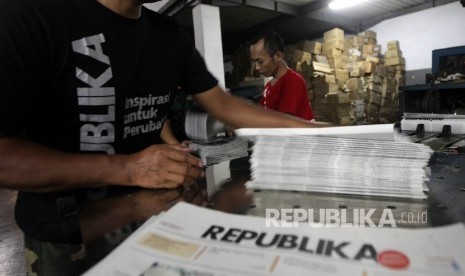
(221, 150)
(363, 160)
(190, 240)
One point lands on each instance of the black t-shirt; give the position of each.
(77, 77)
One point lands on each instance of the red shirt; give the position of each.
(288, 95)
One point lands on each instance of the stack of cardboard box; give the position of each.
(360, 86)
(395, 71)
(339, 108)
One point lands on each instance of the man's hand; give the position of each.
(161, 166)
(184, 146)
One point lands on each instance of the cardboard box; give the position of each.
(324, 79)
(400, 67)
(372, 59)
(393, 45)
(343, 109)
(337, 62)
(375, 98)
(341, 74)
(369, 40)
(380, 70)
(356, 71)
(354, 84)
(313, 47)
(356, 95)
(393, 54)
(354, 41)
(378, 88)
(368, 34)
(390, 71)
(358, 105)
(342, 85)
(352, 59)
(335, 33)
(320, 67)
(346, 121)
(369, 67)
(306, 57)
(320, 58)
(333, 43)
(394, 61)
(339, 98)
(318, 96)
(374, 78)
(368, 48)
(323, 89)
(354, 52)
(400, 80)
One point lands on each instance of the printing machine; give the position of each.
(434, 114)
(444, 90)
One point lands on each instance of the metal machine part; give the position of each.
(203, 127)
(448, 61)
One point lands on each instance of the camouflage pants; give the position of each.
(43, 258)
(50, 259)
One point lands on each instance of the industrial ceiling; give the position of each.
(293, 19)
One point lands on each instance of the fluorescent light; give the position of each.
(342, 4)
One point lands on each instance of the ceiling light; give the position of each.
(342, 4)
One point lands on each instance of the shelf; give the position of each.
(442, 98)
(440, 86)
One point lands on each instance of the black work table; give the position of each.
(445, 203)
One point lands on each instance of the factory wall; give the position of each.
(422, 32)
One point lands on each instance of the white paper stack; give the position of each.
(221, 150)
(320, 163)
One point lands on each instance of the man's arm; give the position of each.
(238, 113)
(167, 134)
(28, 166)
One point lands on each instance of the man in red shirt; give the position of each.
(287, 91)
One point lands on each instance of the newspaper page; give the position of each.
(190, 240)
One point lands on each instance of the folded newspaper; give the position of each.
(365, 160)
(190, 240)
(221, 150)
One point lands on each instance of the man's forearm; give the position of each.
(239, 113)
(27, 166)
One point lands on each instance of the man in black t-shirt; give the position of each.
(85, 86)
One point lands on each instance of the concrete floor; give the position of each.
(11, 238)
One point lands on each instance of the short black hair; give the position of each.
(272, 41)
